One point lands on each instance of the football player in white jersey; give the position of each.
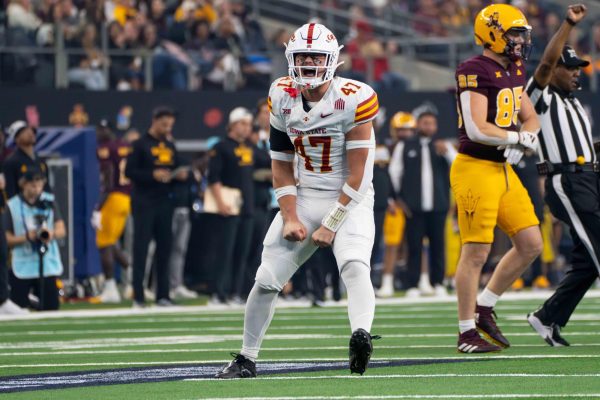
(327, 122)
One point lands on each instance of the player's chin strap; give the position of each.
(336, 216)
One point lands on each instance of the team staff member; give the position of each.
(151, 166)
(23, 158)
(232, 165)
(402, 127)
(420, 169)
(571, 168)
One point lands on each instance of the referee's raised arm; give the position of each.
(543, 72)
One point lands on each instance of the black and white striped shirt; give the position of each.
(566, 131)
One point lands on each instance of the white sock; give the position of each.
(361, 297)
(487, 298)
(466, 325)
(387, 280)
(110, 283)
(260, 308)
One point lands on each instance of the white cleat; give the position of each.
(183, 293)
(110, 293)
(440, 291)
(10, 308)
(424, 286)
(413, 293)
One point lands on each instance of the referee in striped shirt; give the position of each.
(572, 174)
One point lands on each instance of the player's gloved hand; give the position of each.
(528, 140)
(323, 237)
(294, 231)
(96, 220)
(513, 153)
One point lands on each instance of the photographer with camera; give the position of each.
(33, 223)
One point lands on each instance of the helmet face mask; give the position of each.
(316, 43)
(524, 39)
(313, 72)
(502, 28)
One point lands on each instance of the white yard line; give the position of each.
(233, 331)
(218, 349)
(195, 339)
(538, 295)
(585, 318)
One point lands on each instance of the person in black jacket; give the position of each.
(7, 307)
(232, 165)
(264, 198)
(23, 158)
(420, 173)
(152, 166)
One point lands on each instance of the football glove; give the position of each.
(528, 140)
(96, 220)
(513, 153)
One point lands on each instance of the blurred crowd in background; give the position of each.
(220, 44)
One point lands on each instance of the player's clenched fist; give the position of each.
(294, 231)
(576, 12)
(323, 237)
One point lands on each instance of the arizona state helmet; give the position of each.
(492, 26)
(402, 120)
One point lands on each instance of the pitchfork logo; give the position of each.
(469, 204)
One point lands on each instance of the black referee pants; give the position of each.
(575, 199)
(152, 219)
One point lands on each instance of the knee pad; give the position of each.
(354, 270)
(274, 275)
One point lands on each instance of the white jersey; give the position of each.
(319, 135)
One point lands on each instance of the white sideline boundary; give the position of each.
(116, 312)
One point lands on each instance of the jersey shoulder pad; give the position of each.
(281, 91)
(362, 100)
(474, 73)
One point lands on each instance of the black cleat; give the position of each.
(240, 367)
(550, 333)
(471, 342)
(485, 320)
(361, 349)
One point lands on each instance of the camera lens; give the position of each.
(44, 235)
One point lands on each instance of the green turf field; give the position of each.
(419, 339)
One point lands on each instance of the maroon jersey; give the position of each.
(112, 157)
(503, 89)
